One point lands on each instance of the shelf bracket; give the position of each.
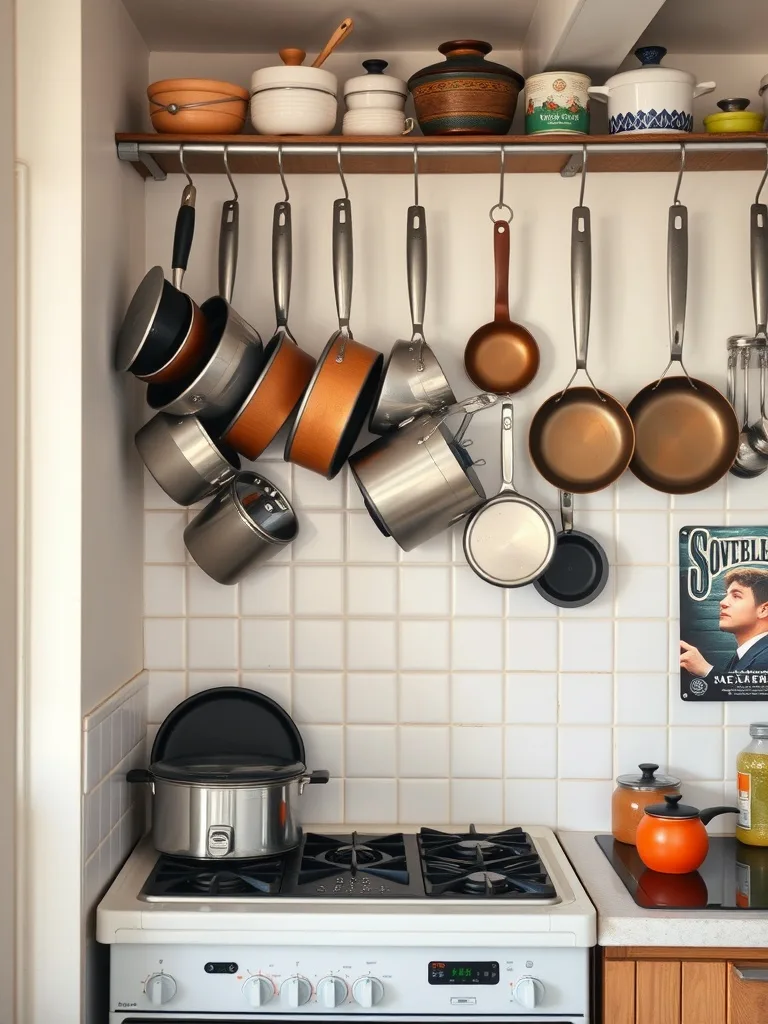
(572, 166)
(132, 153)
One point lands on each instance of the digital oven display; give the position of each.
(464, 972)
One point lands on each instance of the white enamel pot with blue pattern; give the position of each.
(652, 98)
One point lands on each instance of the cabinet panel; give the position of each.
(703, 993)
(619, 992)
(658, 992)
(747, 993)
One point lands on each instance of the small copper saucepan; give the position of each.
(287, 369)
(341, 392)
(164, 336)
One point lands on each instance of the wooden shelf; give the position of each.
(256, 154)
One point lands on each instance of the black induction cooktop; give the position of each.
(733, 877)
(468, 865)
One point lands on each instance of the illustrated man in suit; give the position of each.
(744, 613)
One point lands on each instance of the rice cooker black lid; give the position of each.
(226, 770)
(231, 720)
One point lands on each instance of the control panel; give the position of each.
(308, 981)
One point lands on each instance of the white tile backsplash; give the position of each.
(429, 695)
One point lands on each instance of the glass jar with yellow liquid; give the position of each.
(752, 773)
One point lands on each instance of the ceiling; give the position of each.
(263, 26)
(710, 26)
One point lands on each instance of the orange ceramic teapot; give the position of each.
(672, 837)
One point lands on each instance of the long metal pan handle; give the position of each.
(677, 277)
(758, 243)
(282, 260)
(229, 234)
(507, 447)
(581, 281)
(416, 258)
(566, 511)
(342, 259)
(183, 234)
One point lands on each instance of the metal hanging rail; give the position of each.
(145, 151)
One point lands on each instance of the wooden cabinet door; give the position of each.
(748, 993)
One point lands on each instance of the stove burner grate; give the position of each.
(359, 856)
(178, 876)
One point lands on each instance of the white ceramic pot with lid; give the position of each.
(293, 100)
(652, 98)
(764, 94)
(375, 102)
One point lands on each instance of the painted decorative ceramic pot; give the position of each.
(557, 101)
(465, 94)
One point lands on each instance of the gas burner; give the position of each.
(355, 859)
(502, 864)
(177, 876)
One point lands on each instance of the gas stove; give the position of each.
(433, 864)
(429, 925)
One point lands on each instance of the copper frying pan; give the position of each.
(340, 394)
(581, 440)
(687, 432)
(501, 356)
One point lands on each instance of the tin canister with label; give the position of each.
(557, 102)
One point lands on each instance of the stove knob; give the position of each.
(331, 992)
(296, 991)
(367, 992)
(528, 992)
(258, 991)
(160, 988)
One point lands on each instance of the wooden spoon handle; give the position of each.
(338, 36)
(292, 58)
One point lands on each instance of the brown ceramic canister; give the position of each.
(633, 794)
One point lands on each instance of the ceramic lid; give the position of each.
(375, 80)
(647, 779)
(294, 77)
(651, 71)
(763, 84)
(465, 57)
(672, 808)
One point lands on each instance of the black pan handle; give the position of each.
(182, 237)
(318, 778)
(139, 775)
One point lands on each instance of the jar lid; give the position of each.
(734, 117)
(294, 77)
(759, 730)
(648, 779)
(463, 57)
(374, 80)
(650, 58)
(672, 808)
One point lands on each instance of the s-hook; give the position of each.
(341, 172)
(229, 232)
(282, 173)
(765, 175)
(229, 174)
(676, 200)
(501, 206)
(185, 226)
(583, 180)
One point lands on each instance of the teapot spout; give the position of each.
(712, 812)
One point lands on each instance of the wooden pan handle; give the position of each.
(338, 36)
(501, 263)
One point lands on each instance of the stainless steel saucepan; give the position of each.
(419, 480)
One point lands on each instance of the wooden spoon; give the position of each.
(292, 58)
(338, 36)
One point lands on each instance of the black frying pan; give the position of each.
(579, 571)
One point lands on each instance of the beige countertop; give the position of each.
(621, 922)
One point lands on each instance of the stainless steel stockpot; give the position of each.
(184, 458)
(226, 808)
(419, 480)
(247, 522)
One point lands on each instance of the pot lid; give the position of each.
(465, 57)
(139, 318)
(647, 779)
(226, 770)
(294, 77)
(652, 70)
(734, 117)
(374, 80)
(672, 808)
(763, 84)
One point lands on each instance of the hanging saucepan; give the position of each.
(225, 807)
(579, 571)
(164, 335)
(338, 398)
(418, 480)
(687, 432)
(581, 440)
(287, 369)
(413, 381)
(237, 352)
(510, 540)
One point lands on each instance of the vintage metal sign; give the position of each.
(724, 613)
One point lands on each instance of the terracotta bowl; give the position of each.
(222, 109)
